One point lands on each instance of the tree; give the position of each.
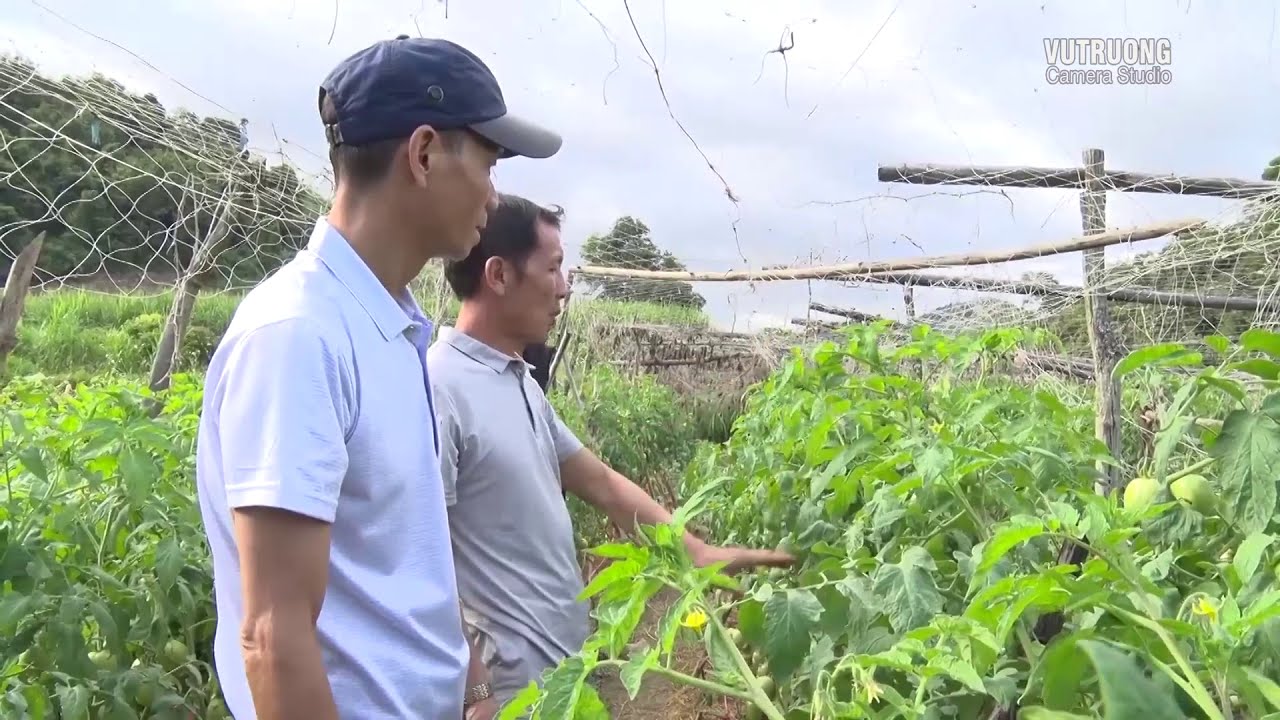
(120, 184)
(628, 245)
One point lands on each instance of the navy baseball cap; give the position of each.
(390, 88)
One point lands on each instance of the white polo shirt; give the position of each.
(317, 401)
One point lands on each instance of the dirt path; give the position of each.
(659, 698)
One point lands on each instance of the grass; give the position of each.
(82, 331)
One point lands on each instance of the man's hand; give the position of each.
(737, 559)
(486, 709)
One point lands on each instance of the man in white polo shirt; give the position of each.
(507, 457)
(317, 462)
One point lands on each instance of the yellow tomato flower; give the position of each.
(696, 619)
(872, 691)
(1204, 607)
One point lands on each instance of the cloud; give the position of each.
(797, 137)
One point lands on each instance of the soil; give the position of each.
(660, 698)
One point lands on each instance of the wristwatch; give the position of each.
(475, 694)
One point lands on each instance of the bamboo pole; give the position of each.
(850, 270)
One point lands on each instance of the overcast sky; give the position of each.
(867, 83)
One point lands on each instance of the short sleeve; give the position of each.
(450, 430)
(565, 441)
(286, 406)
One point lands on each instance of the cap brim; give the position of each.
(520, 137)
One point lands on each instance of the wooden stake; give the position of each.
(1102, 342)
(184, 297)
(16, 288)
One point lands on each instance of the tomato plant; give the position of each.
(105, 592)
(955, 558)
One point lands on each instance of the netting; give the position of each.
(129, 192)
(1221, 276)
(126, 191)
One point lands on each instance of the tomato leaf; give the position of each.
(1249, 555)
(563, 687)
(523, 701)
(13, 608)
(1248, 451)
(909, 594)
(1009, 536)
(789, 617)
(139, 472)
(1127, 693)
(1061, 669)
(1260, 340)
(73, 702)
(1163, 354)
(168, 562)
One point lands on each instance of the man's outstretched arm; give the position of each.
(627, 504)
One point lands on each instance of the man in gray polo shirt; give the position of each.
(506, 456)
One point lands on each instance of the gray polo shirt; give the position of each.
(501, 445)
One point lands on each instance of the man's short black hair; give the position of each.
(360, 166)
(511, 233)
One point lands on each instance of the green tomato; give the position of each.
(1194, 490)
(937, 546)
(103, 659)
(754, 713)
(176, 652)
(735, 635)
(146, 693)
(769, 686)
(1140, 493)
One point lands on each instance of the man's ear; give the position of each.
(497, 275)
(423, 143)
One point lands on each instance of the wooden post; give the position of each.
(909, 303)
(566, 336)
(184, 297)
(16, 288)
(1102, 343)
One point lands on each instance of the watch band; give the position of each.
(475, 694)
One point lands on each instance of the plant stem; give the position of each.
(1195, 688)
(676, 675)
(1190, 469)
(758, 697)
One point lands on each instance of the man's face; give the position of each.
(533, 299)
(455, 193)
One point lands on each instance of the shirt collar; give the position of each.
(391, 316)
(482, 353)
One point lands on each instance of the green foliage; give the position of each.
(928, 513)
(628, 245)
(145, 191)
(133, 347)
(635, 424)
(105, 591)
